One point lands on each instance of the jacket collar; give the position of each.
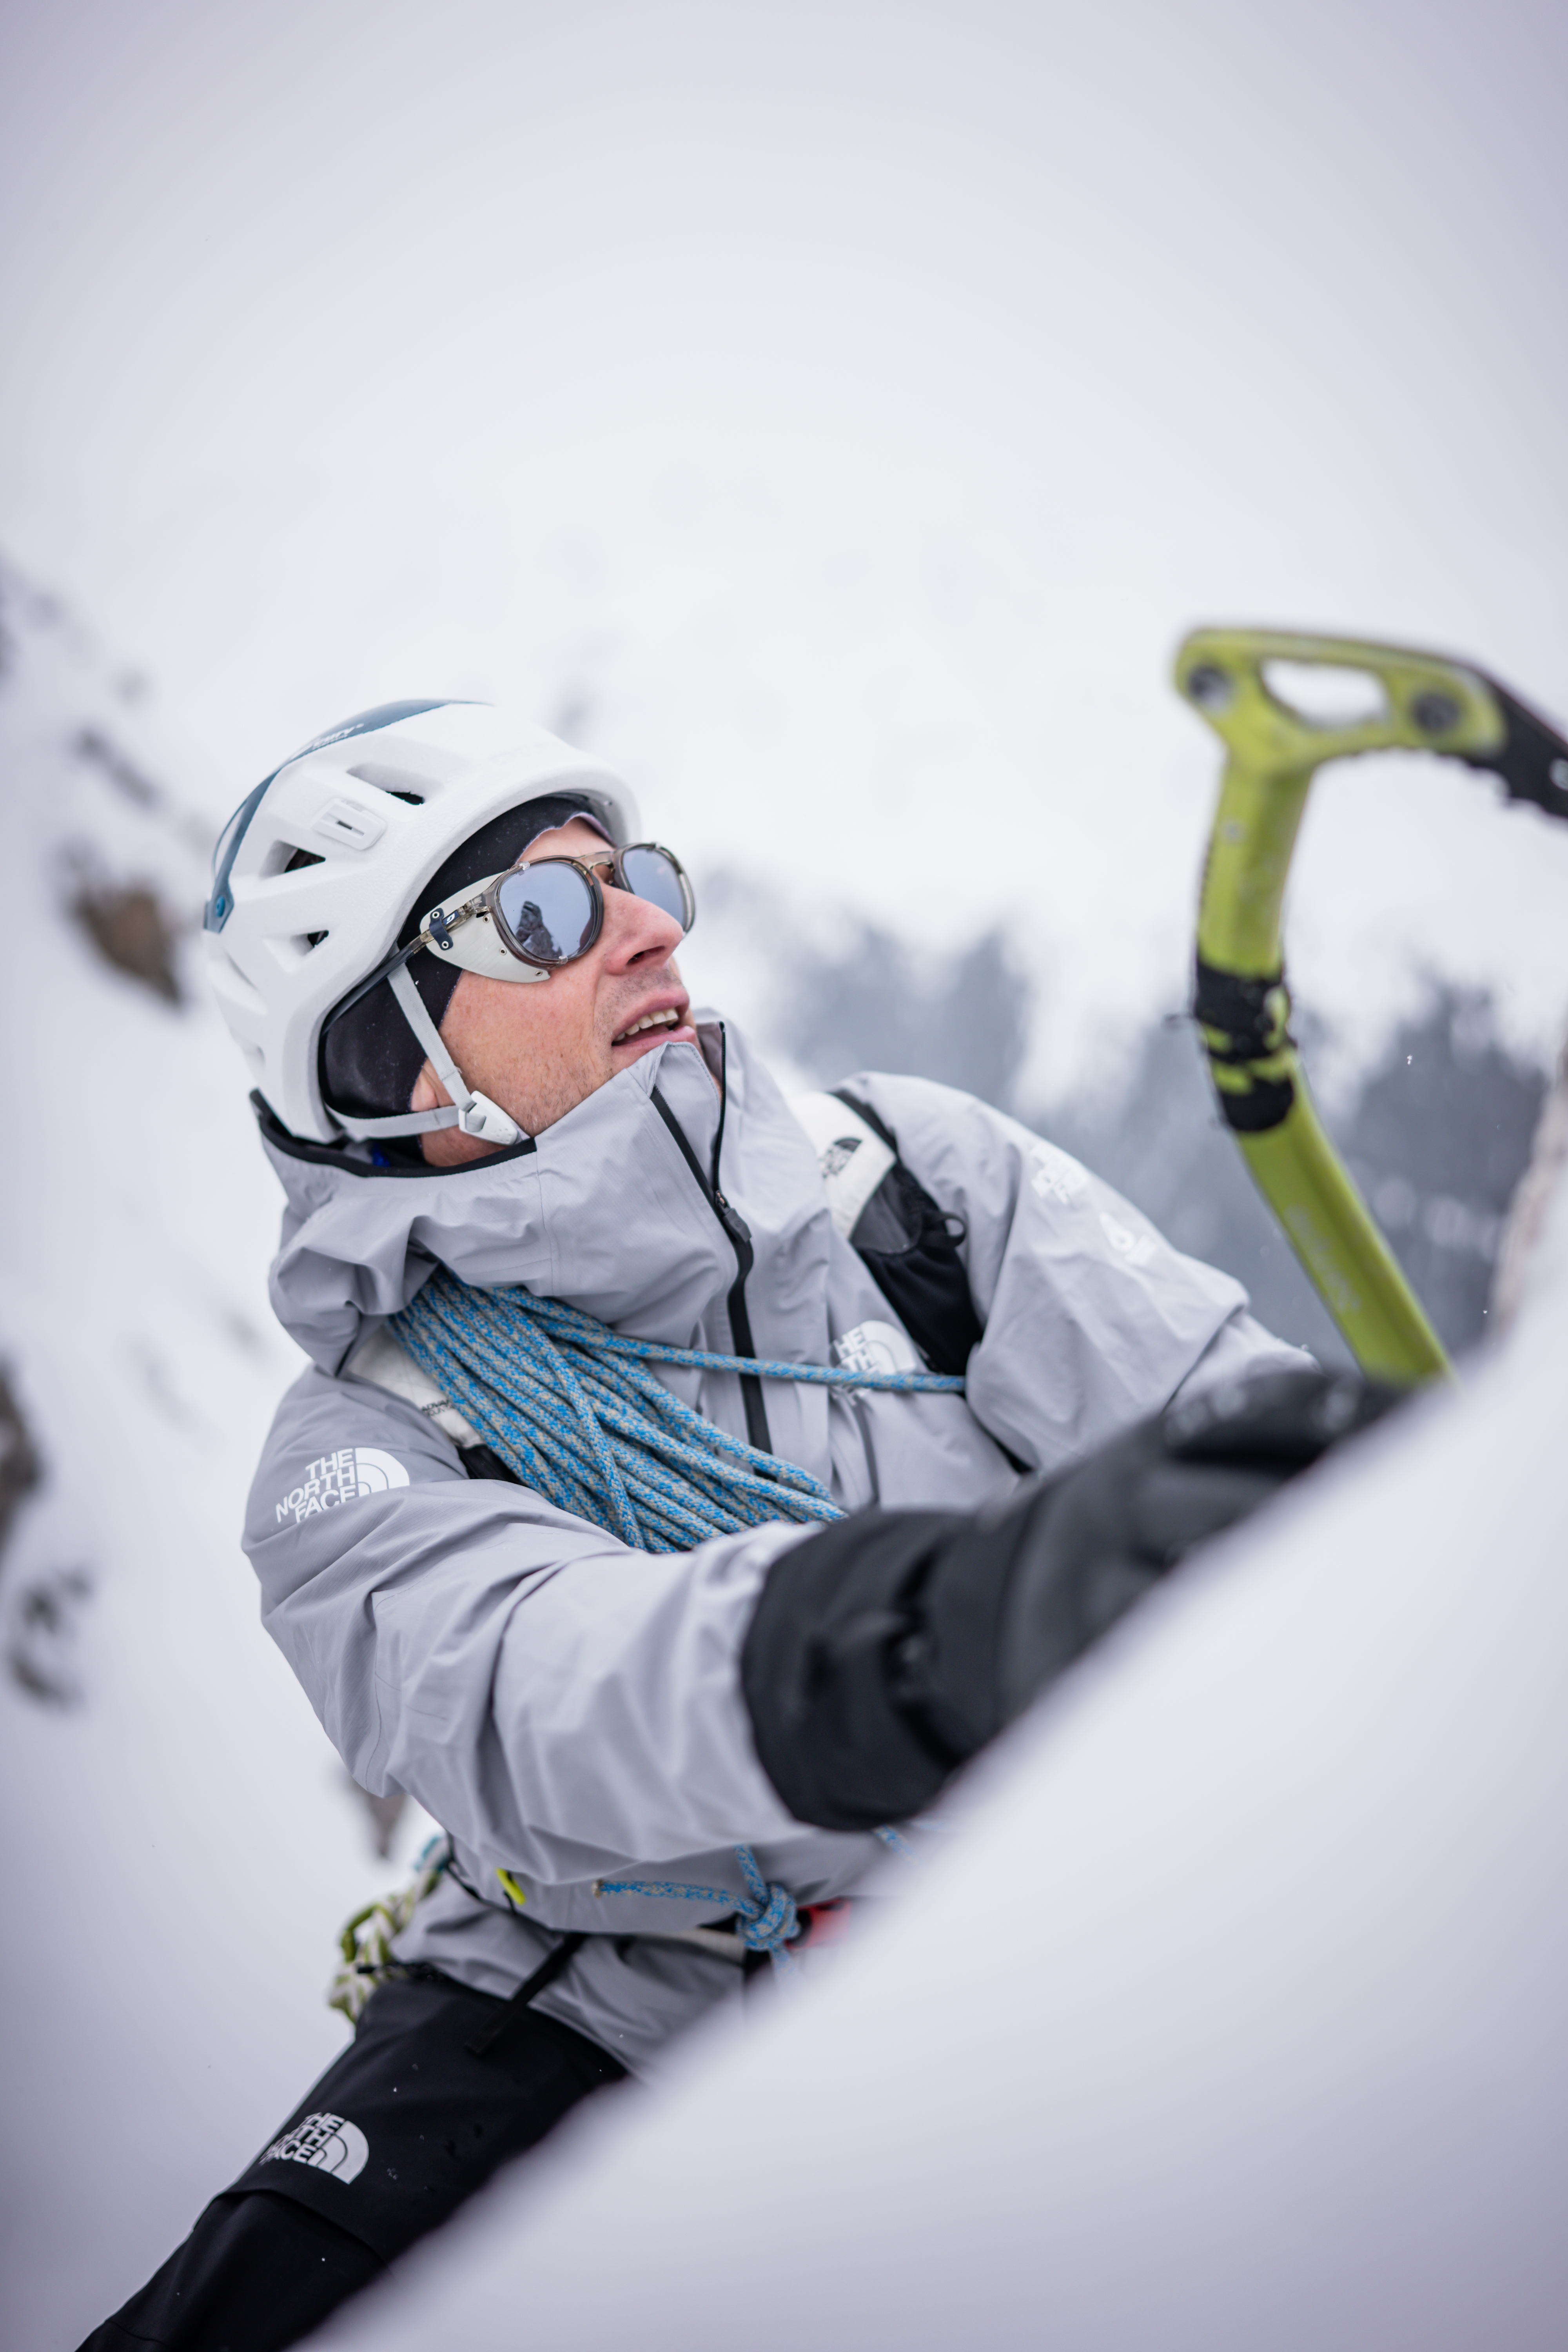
(604, 1212)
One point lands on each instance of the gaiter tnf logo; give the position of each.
(326, 2143)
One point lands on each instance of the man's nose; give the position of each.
(636, 928)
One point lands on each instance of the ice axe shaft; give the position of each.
(1420, 701)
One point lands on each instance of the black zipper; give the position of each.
(738, 1238)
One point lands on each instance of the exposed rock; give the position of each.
(21, 1464)
(41, 1629)
(128, 925)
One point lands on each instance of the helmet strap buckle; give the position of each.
(477, 1114)
(487, 1120)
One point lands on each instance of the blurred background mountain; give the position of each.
(1436, 1126)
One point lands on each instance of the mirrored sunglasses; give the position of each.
(551, 911)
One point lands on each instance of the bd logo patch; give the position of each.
(342, 1477)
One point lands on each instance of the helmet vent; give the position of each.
(290, 949)
(287, 858)
(395, 783)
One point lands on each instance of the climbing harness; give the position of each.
(1235, 679)
(563, 1401)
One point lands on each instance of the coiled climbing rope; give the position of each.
(567, 1405)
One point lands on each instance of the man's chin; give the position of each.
(648, 1041)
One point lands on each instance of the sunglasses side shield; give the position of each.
(463, 934)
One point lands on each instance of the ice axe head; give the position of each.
(1282, 704)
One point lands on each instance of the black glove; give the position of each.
(887, 1651)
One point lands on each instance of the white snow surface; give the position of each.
(181, 1844)
(1232, 2018)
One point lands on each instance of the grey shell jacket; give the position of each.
(568, 1709)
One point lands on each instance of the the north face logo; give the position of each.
(326, 2143)
(1058, 1175)
(876, 1348)
(343, 1478)
(1133, 1249)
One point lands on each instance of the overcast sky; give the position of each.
(834, 414)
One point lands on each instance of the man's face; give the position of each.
(540, 1050)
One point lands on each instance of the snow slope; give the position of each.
(1234, 2019)
(181, 1843)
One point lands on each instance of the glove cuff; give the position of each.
(822, 1676)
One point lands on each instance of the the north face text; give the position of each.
(342, 1477)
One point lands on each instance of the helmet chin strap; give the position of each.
(473, 1114)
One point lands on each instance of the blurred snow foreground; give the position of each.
(1233, 2016)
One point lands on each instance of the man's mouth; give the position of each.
(670, 1017)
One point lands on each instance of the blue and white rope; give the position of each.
(565, 1404)
(765, 1915)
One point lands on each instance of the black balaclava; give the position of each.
(371, 1059)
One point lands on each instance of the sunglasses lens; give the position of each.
(652, 875)
(549, 910)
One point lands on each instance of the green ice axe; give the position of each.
(1272, 752)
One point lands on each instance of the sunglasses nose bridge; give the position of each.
(632, 914)
(656, 875)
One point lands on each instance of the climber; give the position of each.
(449, 958)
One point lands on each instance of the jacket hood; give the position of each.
(603, 1210)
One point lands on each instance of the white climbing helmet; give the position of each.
(318, 868)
